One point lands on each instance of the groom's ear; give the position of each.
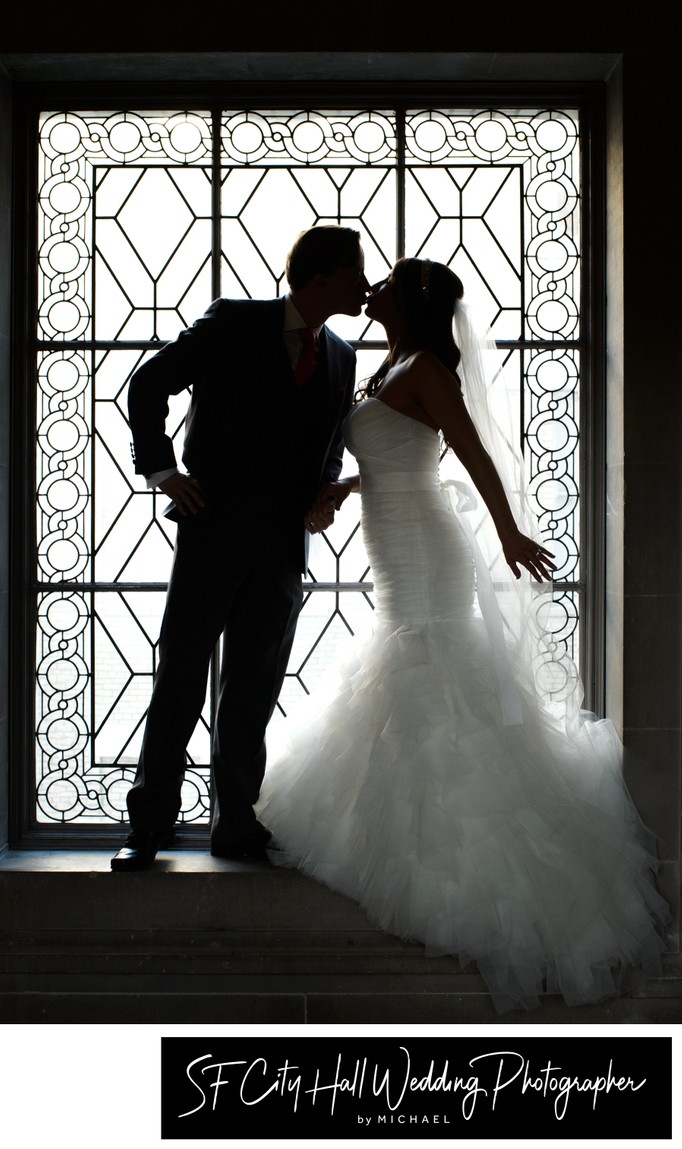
(319, 281)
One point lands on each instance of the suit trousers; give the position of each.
(249, 590)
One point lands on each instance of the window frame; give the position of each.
(31, 100)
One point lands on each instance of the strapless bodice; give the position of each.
(388, 444)
(421, 562)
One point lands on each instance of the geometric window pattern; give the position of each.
(146, 217)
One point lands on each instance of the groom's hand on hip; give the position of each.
(185, 493)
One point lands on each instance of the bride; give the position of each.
(430, 782)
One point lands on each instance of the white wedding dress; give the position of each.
(513, 845)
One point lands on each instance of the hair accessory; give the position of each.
(426, 276)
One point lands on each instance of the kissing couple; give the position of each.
(429, 780)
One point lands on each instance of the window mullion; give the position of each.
(400, 182)
(216, 189)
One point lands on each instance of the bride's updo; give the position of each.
(426, 294)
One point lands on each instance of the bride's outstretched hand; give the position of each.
(519, 550)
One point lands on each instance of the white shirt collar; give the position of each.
(293, 320)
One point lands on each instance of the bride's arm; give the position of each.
(439, 395)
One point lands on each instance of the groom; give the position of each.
(271, 386)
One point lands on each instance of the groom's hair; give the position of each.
(322, 250)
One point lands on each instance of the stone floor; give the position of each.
(201, 940)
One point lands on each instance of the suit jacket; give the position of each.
(249, 430)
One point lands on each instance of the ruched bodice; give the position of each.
(411, 448)
(404, 784)
(421, 563)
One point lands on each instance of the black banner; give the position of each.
(365, 1087)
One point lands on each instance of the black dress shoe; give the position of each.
(141, 848)
(254, 845)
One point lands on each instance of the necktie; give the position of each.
(306, 363)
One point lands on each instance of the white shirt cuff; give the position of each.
(159, 476)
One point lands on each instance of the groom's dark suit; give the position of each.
(261, 448)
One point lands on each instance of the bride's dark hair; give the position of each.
(426, 294)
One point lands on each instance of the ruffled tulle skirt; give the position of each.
(514, 846)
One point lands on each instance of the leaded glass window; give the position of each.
(143, 219)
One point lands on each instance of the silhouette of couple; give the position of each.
(430, 783)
